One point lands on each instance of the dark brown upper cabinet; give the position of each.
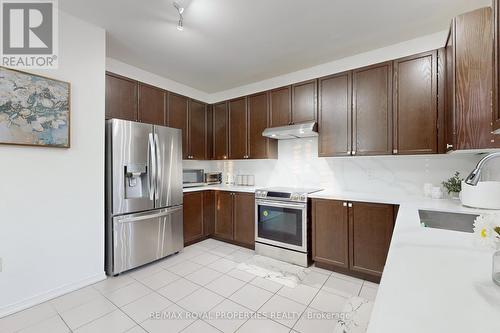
(281, 106)
(330, 230)
(152, 105)
(415, 104)
(220, 130)
(469, 111)
(197, 124)
(121, 97)
(370, 232)
(177, 111)
(372, 110)
(304, 102)
(210, 132)
(238, 129)
(259, 147)
(496, 63)
(335, 115)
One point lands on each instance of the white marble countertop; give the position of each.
(434, 280)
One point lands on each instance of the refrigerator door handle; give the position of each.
(152, 174)
(158, 170)
(144, 216)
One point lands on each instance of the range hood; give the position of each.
(305, 130)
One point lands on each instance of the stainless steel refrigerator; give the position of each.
(143, 194)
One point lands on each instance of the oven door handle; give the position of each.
(281, 204)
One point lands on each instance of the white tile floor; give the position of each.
(202, 278)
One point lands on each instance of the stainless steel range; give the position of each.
(282, 224)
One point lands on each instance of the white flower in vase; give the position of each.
(487, 230)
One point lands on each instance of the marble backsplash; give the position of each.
(298, 165)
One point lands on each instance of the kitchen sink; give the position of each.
(448, 221)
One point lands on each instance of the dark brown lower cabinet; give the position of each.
(193, 216)
(330, 228)
(224, 215)
(244, 218)
(208, 213)
(370, 232)
(352, 237)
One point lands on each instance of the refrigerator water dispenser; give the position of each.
(136, 184)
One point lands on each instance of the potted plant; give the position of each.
(453, 185)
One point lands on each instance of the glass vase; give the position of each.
(496, 268)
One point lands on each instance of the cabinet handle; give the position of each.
(394, 151)
(344, 204)
(350, 204)
(349, 152)
(448, 146)
(353, 152)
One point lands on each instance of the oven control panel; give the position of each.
(281, 196)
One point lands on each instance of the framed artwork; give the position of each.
(34, 110)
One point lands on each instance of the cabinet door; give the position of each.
(178, 118)
(238, 128)
(496, 73)
(280, 104)
(330, 230)
(152, 105)
(372, 110)
(304, 97)
(450, 91)
(415, 104)
(121, 97)
(370, 231)
(193, 216)
(210, 132)
(220, 131)
(224, 215)
(244, 218)
(208, 213)
(473, 46)
(335, 115)
(258, 121)
(197, 130)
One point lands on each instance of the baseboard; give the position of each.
(43, 297)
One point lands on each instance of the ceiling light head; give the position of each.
(180, 10)
(180, 26)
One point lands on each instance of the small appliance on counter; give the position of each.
(193, 177)
(282, 224)
(213, 178)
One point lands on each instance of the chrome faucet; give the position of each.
(475, 175)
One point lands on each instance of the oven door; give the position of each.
(281, 224)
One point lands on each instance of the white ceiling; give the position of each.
(229, 43)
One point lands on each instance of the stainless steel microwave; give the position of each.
(193, 177)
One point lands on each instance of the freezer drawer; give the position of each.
(144, 237)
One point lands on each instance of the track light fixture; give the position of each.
(180, 10)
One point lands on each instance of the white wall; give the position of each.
(298, 165)
(138, 74)
(391, 52)
(52, 200)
